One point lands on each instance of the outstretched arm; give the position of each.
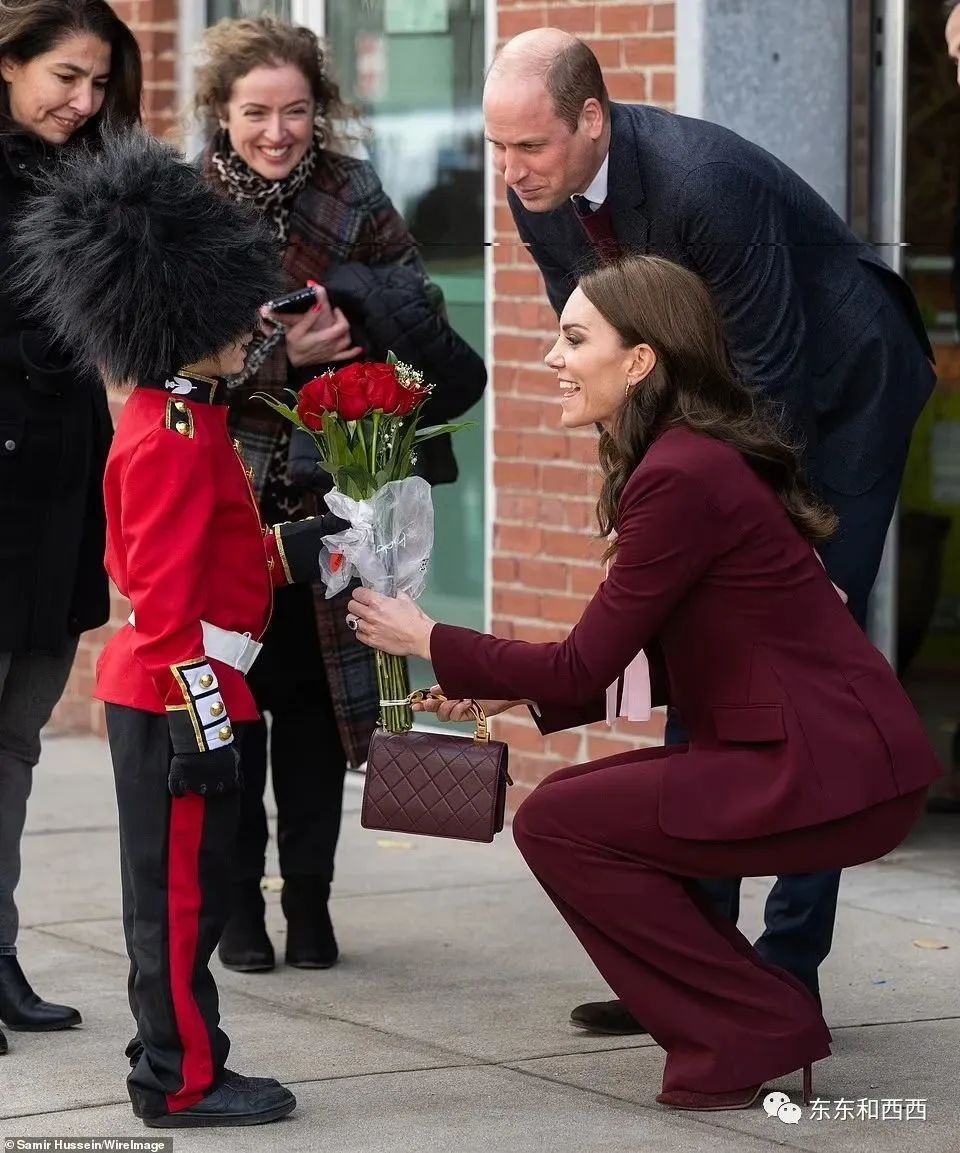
(667, 539)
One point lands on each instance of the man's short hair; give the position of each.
(950, 6)
(573, 77)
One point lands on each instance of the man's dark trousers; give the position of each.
(801, 909)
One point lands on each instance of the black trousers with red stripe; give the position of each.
(176, 860)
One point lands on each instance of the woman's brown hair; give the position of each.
(29, 28)
(235, 47)
(652, 301)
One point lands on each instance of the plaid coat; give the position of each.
(342, 215)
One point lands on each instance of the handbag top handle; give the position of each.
(481, 730)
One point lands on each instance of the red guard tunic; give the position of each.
(186, 545)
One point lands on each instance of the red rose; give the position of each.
(362, 389)
(316, 398)
(351, 393)
(383, 387)
(411, 395)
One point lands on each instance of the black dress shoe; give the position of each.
(311, 943)
(236, 1100)
(244, 944)
(3, 1043)
(609, 1017)
(22, 1010)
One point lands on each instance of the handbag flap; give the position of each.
(435, 785)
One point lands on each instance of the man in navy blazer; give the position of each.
(812, 316)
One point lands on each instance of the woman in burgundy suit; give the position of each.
(804, 753)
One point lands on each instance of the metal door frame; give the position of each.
(887, 157)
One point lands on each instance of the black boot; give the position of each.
(244, 944)
(310, 940)
(236, 1100)
(611, 1018)
(22, 1010)
(3, 1043)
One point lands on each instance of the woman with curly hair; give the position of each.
(272, 110)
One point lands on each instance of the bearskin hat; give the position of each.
(137, 265)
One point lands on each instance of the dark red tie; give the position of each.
(598, 225)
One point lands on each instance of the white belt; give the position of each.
(238, 650)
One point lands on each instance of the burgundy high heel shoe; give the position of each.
(731, 1099)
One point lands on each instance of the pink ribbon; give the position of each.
(635, 704)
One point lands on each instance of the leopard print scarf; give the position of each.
(272, 197)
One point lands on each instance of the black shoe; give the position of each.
(3, 1043)
(236, 1100)
(609, 1017)
(311, 943)
(244, 944)
(227, 1077)
(22, 1010)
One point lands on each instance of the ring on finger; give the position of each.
(353, 624)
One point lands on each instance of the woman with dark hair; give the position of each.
(804, 751)
(272, 109)
(67, 69)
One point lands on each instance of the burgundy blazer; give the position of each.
(794, 717)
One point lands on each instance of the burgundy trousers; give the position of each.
(726, 1019)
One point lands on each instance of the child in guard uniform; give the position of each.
(155, 279)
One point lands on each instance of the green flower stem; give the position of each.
(375, 451)
(394, 685)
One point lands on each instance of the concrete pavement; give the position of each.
(444, 1027)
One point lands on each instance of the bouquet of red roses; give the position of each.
(364, 420)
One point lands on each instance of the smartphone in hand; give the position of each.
(294, 303)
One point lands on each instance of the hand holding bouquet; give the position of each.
(364, 420)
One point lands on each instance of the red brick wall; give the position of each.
(155, 25)
(546, 557)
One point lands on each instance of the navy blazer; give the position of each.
(812, 315)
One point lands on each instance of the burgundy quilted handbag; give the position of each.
(436, 785)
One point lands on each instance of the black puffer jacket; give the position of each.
(393, 309)
(55, 432)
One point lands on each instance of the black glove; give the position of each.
(300, 542)
(212, 774)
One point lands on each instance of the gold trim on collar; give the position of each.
(213, 381)
(191, 375)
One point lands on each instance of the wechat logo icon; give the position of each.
(780, 1106)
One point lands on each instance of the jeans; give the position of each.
(30, 686)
